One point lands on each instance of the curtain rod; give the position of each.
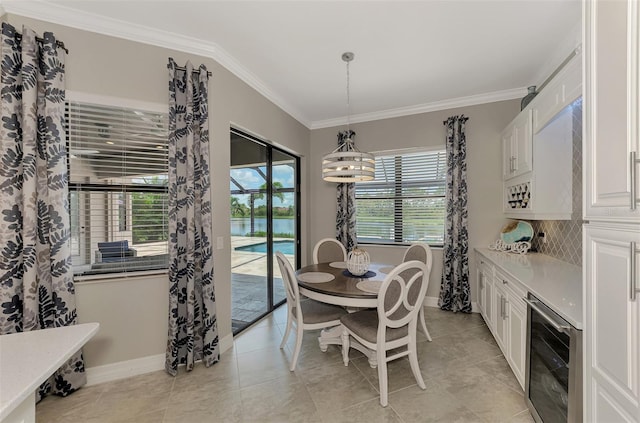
(40, 40)
(182, 68)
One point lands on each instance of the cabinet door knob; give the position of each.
(504, 282)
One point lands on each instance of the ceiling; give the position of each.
(410, 57)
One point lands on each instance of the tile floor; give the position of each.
(467, 379)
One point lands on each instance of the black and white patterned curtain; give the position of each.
(36, 278)
(454, 289)
(346, 199)
(193, 329)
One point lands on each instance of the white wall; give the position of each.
(133, 312)
(484, 173)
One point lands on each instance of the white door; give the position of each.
(612, 348)
(611, 110)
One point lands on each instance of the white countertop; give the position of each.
(556, 283)
(28, 358)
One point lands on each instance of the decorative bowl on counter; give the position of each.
(517, 231)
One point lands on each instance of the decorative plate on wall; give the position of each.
(517, 231)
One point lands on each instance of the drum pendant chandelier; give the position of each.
(346, 163)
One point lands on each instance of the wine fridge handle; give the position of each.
(557, 326)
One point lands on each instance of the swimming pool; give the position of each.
(285, 247)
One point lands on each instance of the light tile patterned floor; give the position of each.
(467, 378)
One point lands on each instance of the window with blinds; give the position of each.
(406, 200)
(117, 188)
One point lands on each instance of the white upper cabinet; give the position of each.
(545, 193)
(562, 90)
(537, 149)
(611, 111)
(516, 146)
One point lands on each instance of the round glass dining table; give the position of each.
(331, 283)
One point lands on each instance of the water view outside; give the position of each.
(285, 247)
(241, 226)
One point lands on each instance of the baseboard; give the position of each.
(433, 302)
(137, 366)
(124, 369)
(226, 343)
(430, 301)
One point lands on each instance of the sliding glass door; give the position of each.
(264, 219)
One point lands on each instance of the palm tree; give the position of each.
(275, 188)
(236, 207)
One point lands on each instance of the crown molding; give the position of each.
(48, 12)
(425, 108)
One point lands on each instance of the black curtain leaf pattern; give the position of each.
(454, 288)
(346, 202)
(36, 278)
(193, 330)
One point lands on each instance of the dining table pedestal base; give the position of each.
(333, 336)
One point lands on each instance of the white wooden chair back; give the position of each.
(290, 284)
(420, 252)
(401, 296)
(329, 250)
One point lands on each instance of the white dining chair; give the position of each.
(421, 252)
(306, 314)
(393, 324)
(329, 250)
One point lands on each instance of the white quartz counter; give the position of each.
(28, 358)
(556, 283)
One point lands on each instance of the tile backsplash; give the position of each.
(564, 237)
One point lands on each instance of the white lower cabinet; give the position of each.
(485, 285)
(504, 311)
(612, 326)
(517, 337)
(513, 330)
(500, 323)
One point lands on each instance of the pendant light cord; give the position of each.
(348, 102)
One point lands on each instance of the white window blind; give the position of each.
(406, 200)
(118, 188)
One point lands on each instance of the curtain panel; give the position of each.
(346, 206)
(454, 288)
(193, 330)
(36, 278)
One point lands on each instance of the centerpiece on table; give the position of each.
(358, 262)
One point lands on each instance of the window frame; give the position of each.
(398, 198)
(127, 189)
